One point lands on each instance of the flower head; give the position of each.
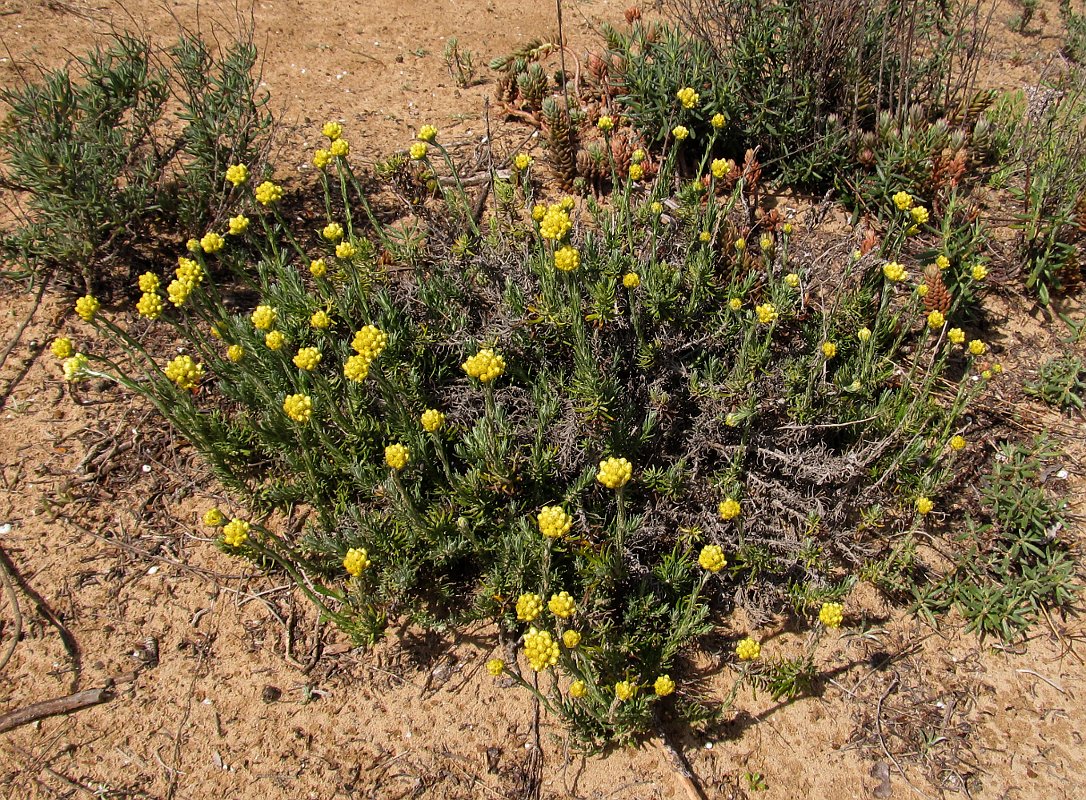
(149, 282)
(237, 174)
(418, 151)
(680, 132)
(268, 193)
(149, 305)
(332, 232)
(829, 350)
(729, 509)
(903, 201)
(495, 667)
(637, 172)
(75, 368)
(578, 689)
(213, 518)
(894, 271)
(571, 639)
(556, 224)
(340, 148)
(318, 268)
(321, 158)
(956, 336)
(427, 133)
(688, 97)
(924, 505)
(178, 292)
(486, 365)
(397, 456)
(624, 690)
(614, 473)
(264, 317)
(977, 347)
(562, 605)
(864, 334)
(235, 352)
(238, 225)
(235, 532)
(307, 359)
(663, 686)
(522, 162)
(919, 215)
(369, 342)
(942, 262)
(791, 280)
(320, 320)
(357, 368)
(299, 407)
(87, 307)
(748, 649)
(432, 420)
(356, 560)
(62, 347)
(957, 442)
(720, 168)
(274, 340)
(631, 280)
(936, 320)
(605, 123)
(735, 304)
(332, 130)
(979, 272)
(540, 649)
(718, 121)
(766, 312)
(554, 522)
(712, 558)
(567, 259)
(831, 615)
(345, 250)
(184, 372)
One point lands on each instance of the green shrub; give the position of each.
(127, 147)
(612, 402)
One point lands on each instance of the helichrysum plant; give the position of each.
(590, 424)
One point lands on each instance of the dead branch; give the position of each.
(60, 705)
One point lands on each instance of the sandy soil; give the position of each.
(225, 686)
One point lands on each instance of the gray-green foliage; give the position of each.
(127, 144)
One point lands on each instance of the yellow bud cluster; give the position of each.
(766, 313)
(184, 372)
(631, 280)
(903, 201)
(562, 605)
(894, 271)
(268, 193)
(663, 686)
(427, 133)
(235, 352)
(299, 407)
(540, 649)
(578, 689)
(340, 148)
(307, 359)
(688, 97)
(529, 606)
(554, 522)
(238, 225)
(317, 268)
(680, 132)
(274, 340)
(87, 307)
(729, 508)
(567, 259)
(831, 615)
(321, 158)
(235, 532)
(432, 420)
(556, 224)
(149, 282)
(369, 342)
(614, 473)
(356, 560)
(712, 558)
(149, 305)
(418, 151)
(357, 368)
(332, 130)
(571, 639)
(320, 320)
(486, 365)
(213, 518)
(346, 250)
(333, 232)
(397, 456)
(237, 174)
(212, 242)
(748, 649)
(495, 667)
(62, 347)
(720, 168)
(75, 368)
(625, 690)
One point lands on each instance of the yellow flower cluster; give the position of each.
(936, 320)
(631, 280)
(427, 133)
(238, 225)
(189, 275)
(624, 690)
(614, 473)
(235, 352)
(720, 168)
(637, 172)
(712, 558)
(688, 97)
(735, 304)
(418, 151)
(213, 518)
(903, 201)
(332, 130)
(149, 305)
(718, 121)
(332, 232)
(149, 282)
(237, 174)
(268, 193)
(320, 320)
(529, 606)
(562, 605)
(791, 280)
(554, 521)
(766, 313)
(369, 342)
(307, 358)
(495, 667)
(62, 347)
(340, 148)
(274, 340)
(919, 215)
(571, 639)
(957, 442)
(357, 368)
(299, 407)
(729, 509)
(486, 365)
(87, 307)
(748, 649)
(397, 455)
(977, 347)
(831, 615)
(979, 272)
(555, 224)
(184, 372)
(680, 132)
(321, 158)
(942, 262)
(317, 268)
(540, 649)
(356, 560)
(956, 336)
(863, 334)
(235, 532)
(829, 349)
(740, 244)
(924, 505)
(522, 162)
(567, 259)
(75, 368)
(212, 242)
(605, 123)
(894, 271)
(663, 686)
(432, 420)
(346, 250)
(578, 689)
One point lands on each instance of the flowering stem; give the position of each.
(408, 504)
